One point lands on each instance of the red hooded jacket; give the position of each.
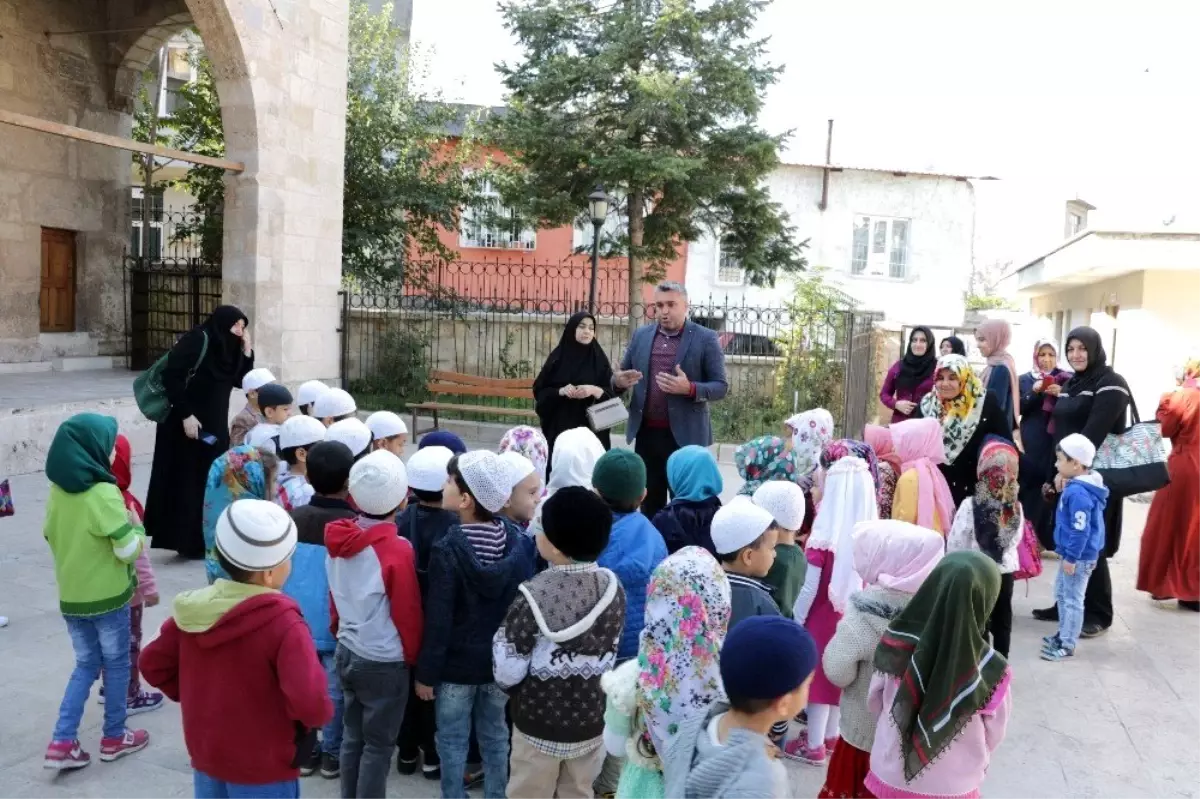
(247, 676)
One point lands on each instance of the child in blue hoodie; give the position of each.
(635, 547)
(328, 472)
(1078, 539)
(696, 486)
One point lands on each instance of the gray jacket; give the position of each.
(702, 361)
(749, 597)
(695, 766)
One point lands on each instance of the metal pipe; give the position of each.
(825, 172)
(596, 225)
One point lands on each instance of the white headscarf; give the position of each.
(811, 431)
(849, 499)
(575, 454)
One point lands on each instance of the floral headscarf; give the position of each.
(1188, 375)
(997, 517)
(241, 473)
(959, 416)
(530, 442)
(834, 451)
(811, 431)
(687, 616)
(761, 460)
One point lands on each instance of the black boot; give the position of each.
(1192, 605)
(1047, 614)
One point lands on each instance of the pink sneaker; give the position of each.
(116, 748)
(830, 743)
(800, 750)
(65, 756)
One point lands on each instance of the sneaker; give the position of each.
(3, 621)
(1092, 630)
(1046, 614)
(144, 702)
(406, 766)
(1051, 641)
(431, 765)
(116, 748)
(802, 718)
(331, 767)
(312, 763)
(1057, 654)
(65, 756)
(829, 744)
(800, 750)
(472, 779)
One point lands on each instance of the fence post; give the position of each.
(344, 331)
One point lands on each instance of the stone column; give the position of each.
(281, 77)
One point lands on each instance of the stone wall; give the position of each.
(48, 181)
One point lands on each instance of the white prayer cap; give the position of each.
(738, 524)
(427, 468)
(351, 432)
(334, 402)
(256, 379)
(255, 535)
(385, 424)
(309, 391)
(519, 467)
(784, 500)
(300, 431)
(487, 478)
(379, 483)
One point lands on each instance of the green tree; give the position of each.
(196, 128)
(403, 183)
(657, 100)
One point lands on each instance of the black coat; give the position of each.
(571, 363)
(962, 474)
(685, 524)
(1095, 413)
(175, 499)
(1037, 461)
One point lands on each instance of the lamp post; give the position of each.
(598, 207)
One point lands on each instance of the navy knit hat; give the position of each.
(272, 395)
(577, 522)
(443, 438)
(765, 657)
(620, 476)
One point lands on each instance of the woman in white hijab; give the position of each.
(849, 498)
(575, 454)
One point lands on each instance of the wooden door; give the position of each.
(58, 281)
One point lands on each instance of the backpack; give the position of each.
(1029, 554)
(148, 389)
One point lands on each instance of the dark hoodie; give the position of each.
(466, 604)
(424, 526)
(241, 662)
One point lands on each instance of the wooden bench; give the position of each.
(457, 383)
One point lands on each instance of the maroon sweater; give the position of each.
(247, 684)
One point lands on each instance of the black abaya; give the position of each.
(571, 364)
(175, 500)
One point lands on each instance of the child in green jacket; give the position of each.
(94, 542)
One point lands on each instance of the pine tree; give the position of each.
(656, 100)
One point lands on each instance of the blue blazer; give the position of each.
(702, 361)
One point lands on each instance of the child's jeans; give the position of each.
(135, 651)
(1068, 592)
(331, 734)
(207, 787)
(100, 642)
(374, 693)
(457, 706)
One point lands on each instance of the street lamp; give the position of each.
(598, 207)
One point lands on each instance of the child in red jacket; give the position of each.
(240, 659)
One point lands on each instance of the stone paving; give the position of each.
(1120, 720)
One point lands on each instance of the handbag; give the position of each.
(607, 415)
(1029, 554)
(6, 503)
(148, 389)
(1133, 462)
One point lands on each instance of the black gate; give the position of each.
(170, 285)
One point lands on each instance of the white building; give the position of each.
(898, 242)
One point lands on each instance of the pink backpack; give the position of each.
(1029, 554)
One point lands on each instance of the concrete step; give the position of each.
(68, 345)
(25, 367)
(82, 364)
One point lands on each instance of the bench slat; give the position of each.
(492, 409)
(480, 391)
(438, 375)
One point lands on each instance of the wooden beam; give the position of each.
(79, 134)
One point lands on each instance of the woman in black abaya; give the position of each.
(576, 376)
(202, 369)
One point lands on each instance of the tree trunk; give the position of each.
(636, 222)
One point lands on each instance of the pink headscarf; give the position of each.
(880, 440)
(895, 555)
(919, 446)
(998, 334)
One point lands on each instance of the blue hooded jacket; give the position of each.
(1079, 521)
(634, 550)
(696, 486)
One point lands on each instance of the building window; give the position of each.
(493, 225)
(880, 247)
(1074, 224)
(729, 268)
(154, 242)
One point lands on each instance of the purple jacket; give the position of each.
(890, 393)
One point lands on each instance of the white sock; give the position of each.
(832, 727)
(818, 718)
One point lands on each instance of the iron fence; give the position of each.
(170, 284)
(779, 359)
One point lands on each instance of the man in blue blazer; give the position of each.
(675, 368)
